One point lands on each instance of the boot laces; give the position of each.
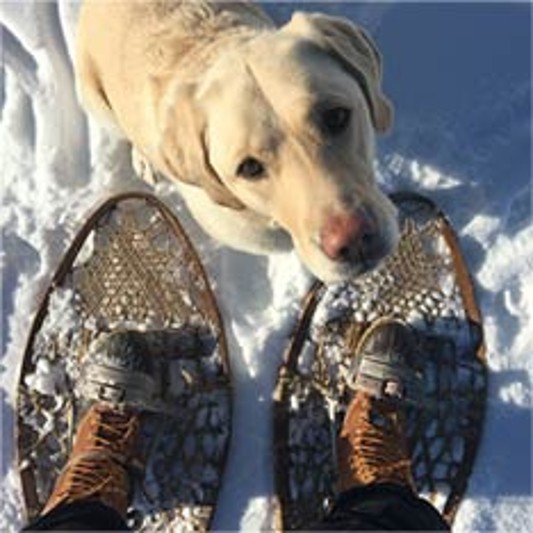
(93, 474)
(114, 432)
(378, 440)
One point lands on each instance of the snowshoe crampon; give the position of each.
(131, 267)
(426, 284)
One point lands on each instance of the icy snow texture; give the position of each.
(462, 136)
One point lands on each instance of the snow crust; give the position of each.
(462, 136)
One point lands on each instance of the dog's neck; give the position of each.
(207, 27)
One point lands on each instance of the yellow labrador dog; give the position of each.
(268, 132)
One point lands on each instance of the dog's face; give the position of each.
(288, 132)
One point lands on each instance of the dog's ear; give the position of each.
(355, 50)
(183, 151)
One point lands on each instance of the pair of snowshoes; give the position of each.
(132, 267)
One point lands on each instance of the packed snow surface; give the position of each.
(459, 75)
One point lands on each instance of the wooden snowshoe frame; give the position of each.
(131, 266)
(426, 283)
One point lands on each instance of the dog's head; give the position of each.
(283, 124)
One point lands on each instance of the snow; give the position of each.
(459, 75)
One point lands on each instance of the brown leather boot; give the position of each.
(104, 446)
(372, 446)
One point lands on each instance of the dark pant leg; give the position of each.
(79, 516)
(381, 507)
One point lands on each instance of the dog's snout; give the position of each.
(347, 237)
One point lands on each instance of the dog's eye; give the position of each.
(335, 120)
(251, 168)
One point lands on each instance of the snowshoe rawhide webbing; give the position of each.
(131, 267)
(426, 284)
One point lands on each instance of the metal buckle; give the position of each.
(110, 393)
(393, 388)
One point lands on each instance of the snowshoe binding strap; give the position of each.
(118, 369)
(387, 365)
(130, 368)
